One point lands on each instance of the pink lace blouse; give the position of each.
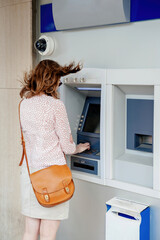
(46, 131)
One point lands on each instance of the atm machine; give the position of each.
(88, 131)
(84, 96)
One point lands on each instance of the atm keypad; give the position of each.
(92, 151)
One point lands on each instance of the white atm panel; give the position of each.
(83, 96)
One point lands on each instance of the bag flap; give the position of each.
(53, 178)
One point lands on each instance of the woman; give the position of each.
(47, 136)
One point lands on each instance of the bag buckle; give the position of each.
(46, 195)
(67, 190)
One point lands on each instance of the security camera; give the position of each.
(45, 45)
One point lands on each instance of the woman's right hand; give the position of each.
(81, 147)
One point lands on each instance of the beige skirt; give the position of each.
(30, 206)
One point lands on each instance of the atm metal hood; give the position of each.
(72, 14)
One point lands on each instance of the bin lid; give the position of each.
(126, 205)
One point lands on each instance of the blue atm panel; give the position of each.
(88, 131)
(140, 124)
(89, 127)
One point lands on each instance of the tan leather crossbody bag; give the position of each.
(52, 185)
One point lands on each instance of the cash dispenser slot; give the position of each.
(84, 165)
(143, 142)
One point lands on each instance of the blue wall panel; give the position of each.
(46, 15)
(144, 10)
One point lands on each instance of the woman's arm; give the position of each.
(62, 128)
(63, 131)
(81, 147)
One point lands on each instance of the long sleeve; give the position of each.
(62, 128)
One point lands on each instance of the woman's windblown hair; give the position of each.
(45, 78)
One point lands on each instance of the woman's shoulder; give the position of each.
(47, 100)
(58, 104)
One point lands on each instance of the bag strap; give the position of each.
(23, 142)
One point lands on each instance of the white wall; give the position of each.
(134, 45)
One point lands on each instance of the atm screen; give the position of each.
(92, 121)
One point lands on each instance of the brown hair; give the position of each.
(45, 78)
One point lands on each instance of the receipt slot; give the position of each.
(83, 94)
(127, 220)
